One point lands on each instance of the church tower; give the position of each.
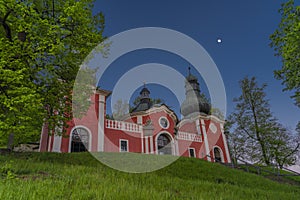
(194, 101)
(145, 101)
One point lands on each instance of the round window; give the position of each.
(163, 122)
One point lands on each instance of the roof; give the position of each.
(142, 106)
(156, 108)
(144, 90)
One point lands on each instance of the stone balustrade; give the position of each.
(123, 126)
(189, 136)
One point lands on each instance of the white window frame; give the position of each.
(221, 152)
(168, 123)
(193, 151)
(127, 145)
(90, 137)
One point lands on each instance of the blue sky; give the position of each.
(243, 26)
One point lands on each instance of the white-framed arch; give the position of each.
(172, 141)
(221, 153)
(88, 131)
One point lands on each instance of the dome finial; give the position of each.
(144, 84)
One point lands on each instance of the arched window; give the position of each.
(217, 154)
(80, 140)
(164, 145)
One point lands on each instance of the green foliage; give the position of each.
(285, 41)
(137, 100)
(236, 142)
(152, 100)
(256, 134)
(6, 171)
(217, 112)
(121, 108)
(298, 128)
(80, 176)
(284, 146)
(41, 51)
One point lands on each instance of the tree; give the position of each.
(298, 141)
(255, 131)
(298, 128)
(121, 108)
(42, 44)
(152, 100)
(285, 145)
(285, 41)
(217, 112)
(236, 142)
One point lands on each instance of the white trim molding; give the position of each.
(206, 144)
(101, 117)
(167, 121)
(225, 144)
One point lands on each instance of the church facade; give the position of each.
(148, 129)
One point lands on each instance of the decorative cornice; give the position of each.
(154, 109)
(103, 92)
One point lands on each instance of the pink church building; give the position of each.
(148, 129)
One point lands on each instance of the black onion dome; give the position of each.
(194, 102)
(192, 105)
(144, 90)
(206, 108)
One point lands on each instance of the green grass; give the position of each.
(81, 176)
(272, 173)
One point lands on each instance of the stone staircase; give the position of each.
(283, 175)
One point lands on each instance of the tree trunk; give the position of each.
(10, 142)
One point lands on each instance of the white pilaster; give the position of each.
(101, 123)
(139, 119)
(146, 145)
(151, 145)
(176, 147)
(225, 143)
(205, 140)
(56, 144)
(142, 141)
(198, 127)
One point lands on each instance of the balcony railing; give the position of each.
(189, 136)
(123, 126)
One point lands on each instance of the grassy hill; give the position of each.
(81, 176)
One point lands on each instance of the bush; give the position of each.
(6, 171)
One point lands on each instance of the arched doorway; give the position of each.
(218, 155)
(79, 140)
(164, 144)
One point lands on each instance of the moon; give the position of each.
(219, 40)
